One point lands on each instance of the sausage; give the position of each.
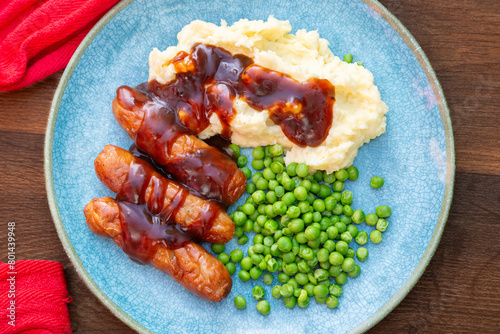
(137, 182)
(190, 264)
(154, 128)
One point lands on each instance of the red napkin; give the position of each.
(38, 37)
(33, 298)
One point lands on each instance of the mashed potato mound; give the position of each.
(359, 112)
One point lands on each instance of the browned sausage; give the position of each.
(191, 265)
(137, 182)
(193, 162)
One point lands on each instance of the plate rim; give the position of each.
(409, 40)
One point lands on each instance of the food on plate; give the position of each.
(194, 163)
(306, 228)
(258, 107)
(176, 255)
(136, 182)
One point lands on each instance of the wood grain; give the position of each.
(460, 290)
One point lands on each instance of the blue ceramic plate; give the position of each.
(415, 156)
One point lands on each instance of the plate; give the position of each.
(415, 156)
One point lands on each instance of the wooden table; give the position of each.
(459, 291)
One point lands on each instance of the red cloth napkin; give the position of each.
(33, 297)
(38, 37)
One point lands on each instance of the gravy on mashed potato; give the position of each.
(322, 138)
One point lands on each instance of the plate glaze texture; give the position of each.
(415, 156)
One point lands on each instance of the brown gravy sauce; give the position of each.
(210, 78)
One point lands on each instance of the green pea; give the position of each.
(309, 288)
(268, 161)
(341, 227)
(300, 193)
(348, 58)
(248, 209)
(236, 150)
(346, 236)
(288, 199)
(284, 244)
(320, 291)
(371, 219)
(318, 176)
(347, 210)
(352, 173)
(271, 197)
(304, 206)
(315, 188)
(242, 161)
(338, 186)
(258, 164)
(271, 225)
(302, 170)
(290, 269)
(361, 238)
(383, 211)
(301, 278)
(321, 274)
(244, 275)
(283, 278)
(341, 175)
(360, 63)
(273, 184)
(324, 191)
(336, 258)
(279, 191)
(231, 268)
(279, 159)
(376, 236)
(341, 247)
(329, 245)
(242, 240)
(296, 225)
(240, 303)
(236, 255)
(323, 237)
(362, 254)
(291, 169)
(286, 290)
(276, 291)
(348, 265)
(306, 184)
(303, 299)
(276, 150)
(269, 174)
(346, 197)
(319, 205)
(277, 167)
(258, 292)
(258, 153)
(332, 232)
(247, 172)
(246, 263)
(272, 265)
(358, 216)
(350, 253)
(353, 230)
(334, 271)
(263, 307)
(329, 178)
(312, 232)
(223, 257)
(376, 182)
(218, 248)
(262, 184)
(355, 272)
(382, 225)
(259, 196)
(307, 217)
(332, 302)
(341, 278)
(268, 279)
(290, 302)
(255, 272)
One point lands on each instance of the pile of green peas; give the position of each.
(304, 225)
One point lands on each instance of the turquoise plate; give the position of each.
(415, 156)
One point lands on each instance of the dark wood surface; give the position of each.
(459, 291)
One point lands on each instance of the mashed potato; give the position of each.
(359, 112)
